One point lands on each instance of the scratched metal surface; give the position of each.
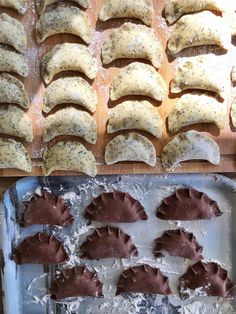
(25, 288)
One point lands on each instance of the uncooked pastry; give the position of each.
(191, 145)
(130, 147)
(140, 115)
(72, 90)
(133, 41)
(19, 5)
(69, 155)
(68, 57)
(138, 79)
(64, 19)
(42, 4)
(233, 113)
(70, 121)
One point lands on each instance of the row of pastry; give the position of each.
(112, 242)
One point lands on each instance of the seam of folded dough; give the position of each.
(42, 4)
(191, 145)
(140, 115)
(133, 41)
(12, 33)
(199, 29)
(19, 5)
(14, 155)
(174, 9)
(207, 72)
(70, 121)
(71, 156)
(68, 57)
(139, 9)
(73, 90)
(197, 108)
(130, 147)
(69, 20)
(12, 91)
(14, 121)
(138, 79)
(12, 61)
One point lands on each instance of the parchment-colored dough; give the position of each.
(19, 5)
(42, 4)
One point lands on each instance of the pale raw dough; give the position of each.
(12, 91)
(12, 33)
(70, 121)
(138, 79)
(42, 4)
(174, 9)
(206, 72)
(139, 9)
(130, 147)
(197, 108)
(19, 5)
(140, 115)
(233, 113)
(12, 61)
(133, 41)
(191, 145)
(14, 121)
(69, 20)
(14, 155)
(71, 156)
(204, 28)
(74, 90)
(68, 57)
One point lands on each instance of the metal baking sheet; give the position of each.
(26, 288)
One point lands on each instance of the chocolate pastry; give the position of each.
(46, 209)
(206, 279)
(76, 282)
(41, 248)
(178, 243)
(143, 279)
(108, 242)
(115, 206)
(188, 204)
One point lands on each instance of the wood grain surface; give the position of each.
(36, 88)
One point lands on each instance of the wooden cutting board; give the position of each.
(35, 87)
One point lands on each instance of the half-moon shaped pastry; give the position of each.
(70, 121)
(233, 113)
(139, 9)
(108, 242)
(143, 279)
(140, 115)
(178, 243)
(130, 147)
(14, 155)
(72, 90)
(204, 72)
(14, 121)
(116, 206)
(76, 282)
(138, 79)
(68, 57)
(40, 248)
(204, 28)
(41, 4)
(46, 209)
(70, 155)
(133, 41)
(12, 61)
(174, 9)
(12, 91)
(12, 33)
(191, 145)
(64, 19)
(197, 108)
(188, 204)
(206, 279)
(19, 5)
